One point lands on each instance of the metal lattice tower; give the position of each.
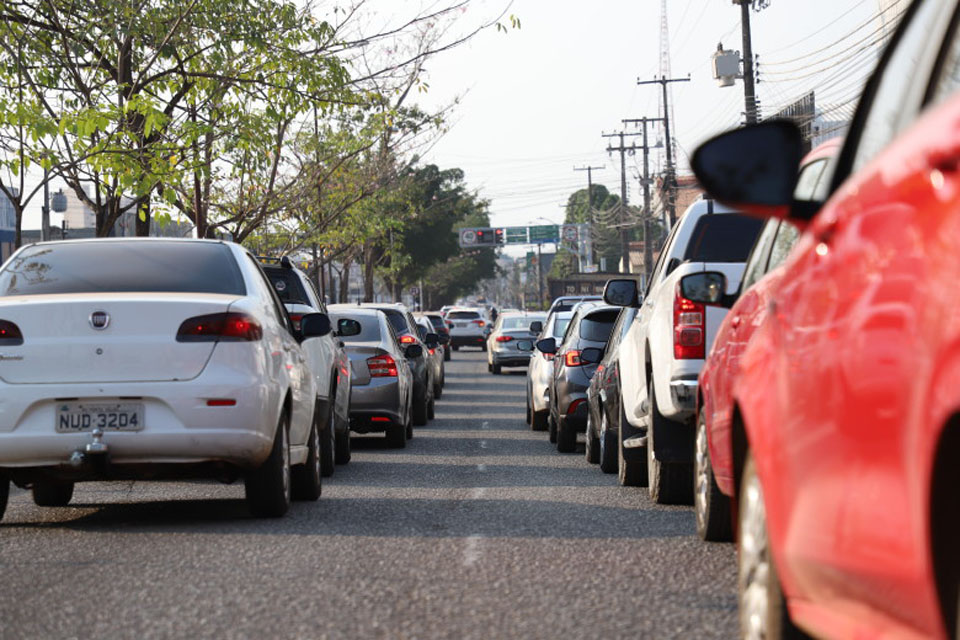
(665, 69)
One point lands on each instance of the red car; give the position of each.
(713, 459)
(846, 408)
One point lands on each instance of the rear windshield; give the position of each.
(123, 267)
(519, 322)
(287, 285)
(597, 326)
(463, 315)
(436, 321)
(398, 322)
(369, 327)
(724, 237)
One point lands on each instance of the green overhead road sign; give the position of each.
(545, 233)
(516, 235)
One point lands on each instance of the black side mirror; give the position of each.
(547, 345)
(413, 351)
(314, 325)
(536, 327)
(620, 292)
(754, 168)
(525, 345)
(432, 340)
(444, 338)
(709, 287)
(347, 327)
(591, 355)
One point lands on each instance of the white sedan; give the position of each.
(152, 359)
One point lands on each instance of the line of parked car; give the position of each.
(792, 368)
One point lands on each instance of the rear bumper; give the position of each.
(578, 419)
(468, 341)
(381, 397)
(510, 358)
(683, 393)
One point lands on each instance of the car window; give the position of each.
(726, 237)
(757, 263)
(597, 325)
(176, 267)
(787, 236)
(616, 333)
(279, 310)
(885, 117)
(369, 326)
(809, 178)
(397, 322)
(560, 327)
(518, 322)
(947, 80)
(463, 315)
(288, 285)
(664, 252)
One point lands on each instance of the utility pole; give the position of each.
(670, 181)
(624, 230)
(647, 245)
(540, 304)
(589, 171)
(749, 91)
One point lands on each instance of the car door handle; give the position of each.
(735, 322)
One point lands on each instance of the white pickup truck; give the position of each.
(664, 350)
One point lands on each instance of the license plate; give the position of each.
(76, 417)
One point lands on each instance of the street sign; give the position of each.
(516, 235)
(545, 233)
(570, 233)
(478, 237)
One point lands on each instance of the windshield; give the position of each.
(463, 315)
(726, 237)
(520, 322)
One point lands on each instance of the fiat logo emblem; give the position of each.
(99, 319)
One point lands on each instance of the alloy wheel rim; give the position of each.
(754, 562)
(703, 481)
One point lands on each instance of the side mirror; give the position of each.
(620, 292)
(444, 338)
(413, 351)
(525, 345)
(432, 341)
(347, 327)
(314, 325)
(709, 287)
(547, 345)
(591, 355)
(754, 169)
(536, 327)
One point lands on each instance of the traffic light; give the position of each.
(498, 236)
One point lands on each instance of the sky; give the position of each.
(535, 101)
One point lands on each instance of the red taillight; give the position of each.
(432, 351)
(479, 323)
(574, 406)
(221, 402)
(379, 419)
(10, 334)
(572, 358)
(295, 320)
(382, 366)
(225, 327)
(689, 328)
(407, 339)
(599, 368)
(504, 338)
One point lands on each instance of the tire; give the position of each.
(489, 368)
(305, 482)
(432, 408)
(566, 437)
(397, 435)
(327, 446)
(456, 348)
(631, 463)
(592, 451)
(51, 493)
(608, 446)
(437, 391)
(529, 416)
(421, 410)
(539, 421)
(483, 347)
(4, 494)
(763, 608)
(447, 355)
(268, 488)
(497, 369)
(552, 429)
(668, 482)
(342, 453)
(711, 507)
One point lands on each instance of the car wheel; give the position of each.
(668, 482)
(4, 493)
(763, 609)
(711, 507)
(432, 408)
(529, 415)
(497, 369)
(342, 453)
(483, 347)
(539, 421)
(328, 439)
(268, 488)
(398, 434)
(437, 390)
(592, 452)
(305, 479)
(489, 368)
(551, 428)
(566, 437)
(631, 463)
(420, 410)
(52, 493)
(447, 355)
(608, 458)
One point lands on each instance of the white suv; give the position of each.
(663, 352)
(467, 327)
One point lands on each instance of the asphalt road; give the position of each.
(478, 529)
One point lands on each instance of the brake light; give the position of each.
(221, 402)
(382, 366)
(479, 323)
(220, 327)
(295, 320)
(432, 351)
(10, 334)
(572, 358)
(574, 406)
(689, 328)
(379, 419)
(407, 339)
(504, 338)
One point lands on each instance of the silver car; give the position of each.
(509, 329)
(434, 353)
(381, 394)
(540, 371)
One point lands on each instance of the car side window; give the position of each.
(947, 81)
(757, 263)
(278, 308)
(312, 289)
(787, 236)
(615, 332)
(807, 181)
(658, 266)
(885, 117)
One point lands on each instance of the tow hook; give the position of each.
(96, 450)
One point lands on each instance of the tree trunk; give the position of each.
(143, 226)
(368, 273)
(345, 282)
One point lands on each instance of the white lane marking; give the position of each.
(471, 551)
